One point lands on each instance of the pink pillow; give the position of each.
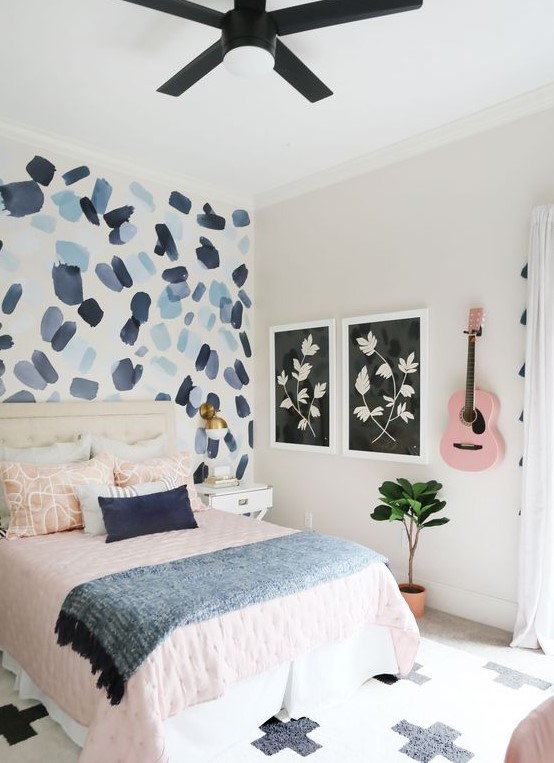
(177, 466)
(42, 498)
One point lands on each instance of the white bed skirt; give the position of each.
(323, 677)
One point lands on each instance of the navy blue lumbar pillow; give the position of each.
(147, 514)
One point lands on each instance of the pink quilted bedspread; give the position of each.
(197, 662)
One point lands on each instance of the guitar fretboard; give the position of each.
(469, 408)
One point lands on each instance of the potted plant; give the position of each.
(413, 504)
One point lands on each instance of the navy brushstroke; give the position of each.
(123, 275)
(183, 393)
(241, 466)
(125, 375)
(162, 396)
(68, 285)
(241, 372)
(140, 306)
(78, 173)
(213, 448)
(41, 170)
(199, 292)
(179, 202)
(240, 275)
(243, 409)
(117, 217)
(12, 297)
(44, 367)
(6, 342)
(165, 243)
(91, 312)
(243, 336)
(89, 211)
(130, 331)
(244, 298)
(230, 442)
(202, 357)
(236, 315)
(21, 199)
(175, 275)
(63, 335)
(28, 375)
(207, 254)
(230, 376)
(210, 219)
(251, 433)
(23, 396)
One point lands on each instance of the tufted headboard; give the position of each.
(28, 424)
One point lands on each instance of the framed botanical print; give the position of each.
(302, 386)
(385, 370)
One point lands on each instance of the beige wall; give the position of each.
(446, 230)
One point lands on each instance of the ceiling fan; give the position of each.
(250, 37)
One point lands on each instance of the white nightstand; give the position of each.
(253, 498)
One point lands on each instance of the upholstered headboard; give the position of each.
(29, 424)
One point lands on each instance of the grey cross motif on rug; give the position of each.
(426, 744)
(413, 675)
(278, 735)
(515, 679)
(15, 725)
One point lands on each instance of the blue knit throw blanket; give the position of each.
(117, 621)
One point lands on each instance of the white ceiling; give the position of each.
(85, 72)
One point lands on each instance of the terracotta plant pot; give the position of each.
(414, 597)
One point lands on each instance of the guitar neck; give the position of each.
(469, 404)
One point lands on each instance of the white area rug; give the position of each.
(455, 706)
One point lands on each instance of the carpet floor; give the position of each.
(455, 706)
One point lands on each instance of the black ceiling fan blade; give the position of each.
(253, 5)
(301, 18)
(185, 10)
(191, 73)
(297, 74)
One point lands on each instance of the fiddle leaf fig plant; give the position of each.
(413, 504)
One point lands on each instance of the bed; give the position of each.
(233, 670)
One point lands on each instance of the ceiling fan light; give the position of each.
(249, 61)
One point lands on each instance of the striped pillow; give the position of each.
(90, 507)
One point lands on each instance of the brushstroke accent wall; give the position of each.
(111, 288)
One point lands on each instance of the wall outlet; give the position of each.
(308, 520)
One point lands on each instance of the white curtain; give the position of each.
(535, 618)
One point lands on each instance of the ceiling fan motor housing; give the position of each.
(244, 26)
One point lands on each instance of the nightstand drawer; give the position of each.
(243, 502)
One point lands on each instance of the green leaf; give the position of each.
(435, 522)
(391, 491)
(406, 486)
(381, 512)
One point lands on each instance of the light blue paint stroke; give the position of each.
(244, 245)
(84, 389)
(196, 397)
(200, 441)
(160, 336)
(193, 345)
(141, 352)
(127, 231)
(206, 318)
(45, 223)
(175, 224)
(101, 195)
(177, 291)
(229, 338)
(147, 263)
(54, 398)
(50, 323)
(138, 272)
(166, 365)
(87, 360)
(182, 341)
(74, 350)
(9, 262)
(232, 379)
(244, 298)
(28, 375)
(144, 196)
(188, 319)
(225, 311)
(212, 366)
(73, 254)
(69, 205)
(218, 292)
(169, 308)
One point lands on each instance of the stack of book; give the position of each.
(225, 481)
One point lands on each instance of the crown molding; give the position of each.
(83, 153)
(511, 110)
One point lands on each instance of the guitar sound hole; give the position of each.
(476, 422)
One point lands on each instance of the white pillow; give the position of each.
(57, 453)
(137, 451)
(88, 495)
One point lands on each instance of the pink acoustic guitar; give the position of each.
(472, 442)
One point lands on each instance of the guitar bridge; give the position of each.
(467, 446)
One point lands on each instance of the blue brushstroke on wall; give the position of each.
(45, 223)
(140, 306)
(180, 202)
(11, 298)
(239, 275)
(69, 205)
(68, 285)
(243, 409)
(50, 323)
(89, 210)
(85, 389)
(165, 243)
(207, 254)
(125, 375)
(107, 276)
(21, 198)
(91, 312)
(175, 275)
(144, 196)
(245, 344)
(210, 219)
(44, 367)
(101, 195)
(182, 396)
(76, 174)
(73, 254)
(240, 218)
(63, 335)
(41, 170)
(199, 291)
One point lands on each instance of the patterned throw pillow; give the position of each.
(178, 466)
(42, 499)
(89, 495)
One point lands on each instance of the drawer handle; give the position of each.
(243, 501)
